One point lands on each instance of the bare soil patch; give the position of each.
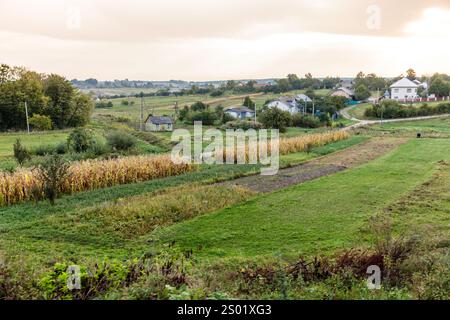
(329, 164)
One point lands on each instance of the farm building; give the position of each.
(344, 92)
(404, 89)
(240, 112)
(159, 124)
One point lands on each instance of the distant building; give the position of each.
(159, 124)
(303, 98)
(288, 104)
(240, 112)
(344, 92)
(404, 89)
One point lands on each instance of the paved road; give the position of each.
(361, 123)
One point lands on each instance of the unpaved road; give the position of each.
(329, 164)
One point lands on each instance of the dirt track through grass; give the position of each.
(342, 160)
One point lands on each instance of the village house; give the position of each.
(404, 89)
(344, 92)
(158, 124)
(303, 98)
(240, 112)
(288, 104)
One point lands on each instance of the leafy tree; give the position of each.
(41, 123)
(362, 93)
(198, 106)
(249, 103)
(276, 119)
(439, 87)
(60, 91)
(283, 85)
(411, 74)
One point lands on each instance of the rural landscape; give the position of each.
(93, 205)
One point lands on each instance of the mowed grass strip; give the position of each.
(317, 217)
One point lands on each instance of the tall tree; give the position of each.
(411, 74)
(60, 91)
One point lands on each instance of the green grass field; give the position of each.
(165, 105)
(314, 217)
(432, 126)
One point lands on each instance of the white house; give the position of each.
(303, 98)
(285, 104)
(240, 112)
(404, 89)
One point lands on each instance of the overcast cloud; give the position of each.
(222, 39)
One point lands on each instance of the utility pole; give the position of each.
(142, 112)
(313, 107)
(26, 114)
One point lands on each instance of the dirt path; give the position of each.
(342, 160)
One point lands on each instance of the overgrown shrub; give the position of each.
(80, 140)
(21, 153)
(121, 141)
(41, 123)
(306, 121)
(53, 172)
(242, 124)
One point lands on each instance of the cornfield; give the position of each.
(288, 145)
(305, 143)
(26, 184)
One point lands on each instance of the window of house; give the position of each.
(409, 90)
(396, 90)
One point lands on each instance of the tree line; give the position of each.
(50, 96)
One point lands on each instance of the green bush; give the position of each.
(21, 153)
(306, 121)
(242, 124)
(121, 141)
(207, 117)
(390, 109)
(41, 123)
(80, 140)
(44, 150)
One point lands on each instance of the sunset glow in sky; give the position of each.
(224, 39)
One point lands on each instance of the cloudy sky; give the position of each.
(224, 39)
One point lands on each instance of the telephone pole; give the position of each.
(142, 112)
(26, 114)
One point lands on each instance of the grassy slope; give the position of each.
(45, 233)
(30, 140)
(316, 217)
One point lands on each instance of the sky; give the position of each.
(224, 39)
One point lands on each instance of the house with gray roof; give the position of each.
(154, 123)
(240, 112)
